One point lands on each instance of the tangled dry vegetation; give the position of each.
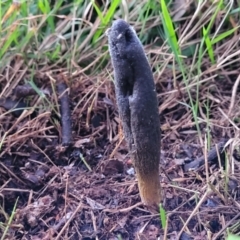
(71, 177)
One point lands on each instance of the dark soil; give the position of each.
(86, 189)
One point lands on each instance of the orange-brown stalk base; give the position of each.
(149, 189)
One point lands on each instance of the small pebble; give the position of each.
(131, 171)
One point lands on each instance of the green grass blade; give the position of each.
(206, 38)
(10, 220)
(85, 162)
(223, 35)
(36, 89)
(12, 37)
(209, 45)
(105, 19)
(169, 28)
(233, 237)
(26, 39)
(111, 11)
(163, 216)
(46, 9)
(98, 10)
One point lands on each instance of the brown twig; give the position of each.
(212, 154)
(65, 113)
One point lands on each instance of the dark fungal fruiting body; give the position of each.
(138, 107)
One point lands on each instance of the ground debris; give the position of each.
(34, 211)
(63, 89)
(212, 155)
